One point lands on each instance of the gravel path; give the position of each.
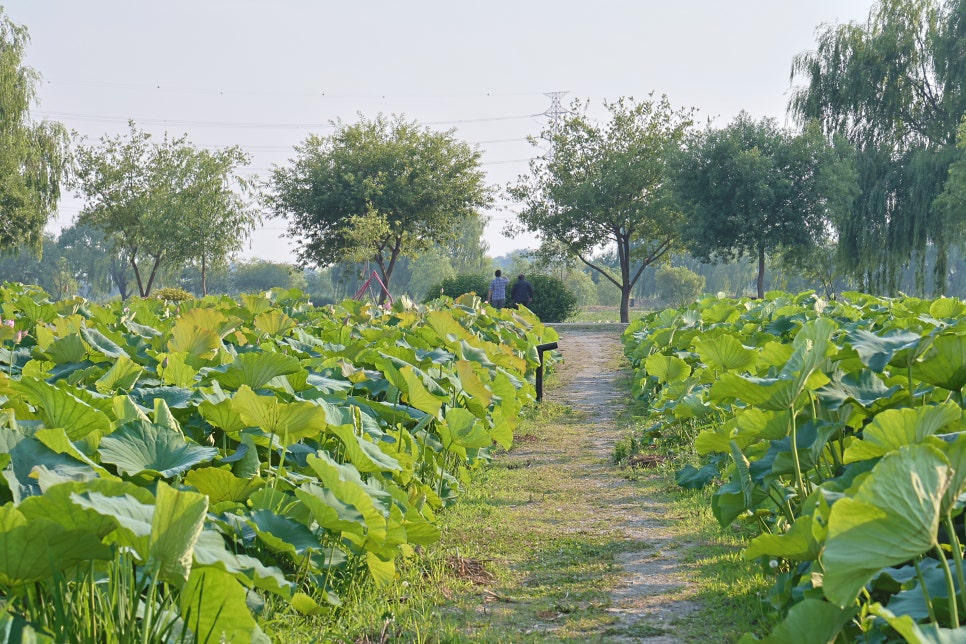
(653, 590)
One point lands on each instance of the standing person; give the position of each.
(497, 294)
(522, 292)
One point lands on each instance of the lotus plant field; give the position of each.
(169, 469)
(836, 429)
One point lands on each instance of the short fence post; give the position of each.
(540, 349)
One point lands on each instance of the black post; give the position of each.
(540, 349)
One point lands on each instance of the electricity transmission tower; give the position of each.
(556, 110)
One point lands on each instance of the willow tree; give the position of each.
(894, 87)
(33, 156)
(605, 186)
(376, 190)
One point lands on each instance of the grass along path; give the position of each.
(554, 542)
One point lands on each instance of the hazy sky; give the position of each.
(264, 74)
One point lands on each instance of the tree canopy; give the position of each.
(33, 156)
(163, 202)
(894, 87)
(753, 188)
(376, 190)
(606, 185)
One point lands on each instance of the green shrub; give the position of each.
(552, 300)
(678, 285)
(456, 286)
(173, 294)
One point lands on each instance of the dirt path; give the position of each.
(652, 592)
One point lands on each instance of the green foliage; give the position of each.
(171, 294)
(834, 428)
(378, 189)
(678, 285)
(754, 188)
(455, 286)
(606, 185)
(552, 300)
(33, 156)
(200, 457)
(164, 203)
(892, 87)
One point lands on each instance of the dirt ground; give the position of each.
(653, 591)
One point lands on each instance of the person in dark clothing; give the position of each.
(522, 292)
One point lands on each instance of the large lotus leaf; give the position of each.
(221, 485)
(14, 628)
(174, 370)
(748, 426)
(69, 348)
(894, 428)
(774, 394)
(944, 363)
(728, 503)
(213, 606)
(724, 353)
(57, 504)
(810, 621)
(667, 368)
(256, 369)
(893, 517)
(797, 544)
(877, 350)
(914, 633)
(102, 344)
(472, 383)
(382, 570)
(464, 429)
(179, 516)
(173, 397)
(417, 395)
(122, 375)
(691, 478)
(222, 414)
(58, 441)
(329, 511)
(210, 550)
(155, 451)
(60, 408)
(947, 308)
(445, 324)
(273, 323)
(192, 339)
(210, 318)
(132, 516)
(909, 598)
(366, 456)
(418, 526)
(282, 534)
(33, 550)
(30, 454)
(343, 480)
(288, 422)
(862, 387)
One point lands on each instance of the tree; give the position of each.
(893, 86)
(95, 263)
(164, 203)
(753, 188)
(375, 190)
(678, 285)
(214, 202)
(261, 275)
(33, 156)
(603, 186)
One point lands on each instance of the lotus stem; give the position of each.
(957, 554)
(950, 588)
(925, 592)
(798, 465)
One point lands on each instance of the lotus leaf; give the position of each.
(893, 517)
(142, 448)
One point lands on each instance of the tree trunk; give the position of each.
(625, 302)
(761, 272)
(204, 276)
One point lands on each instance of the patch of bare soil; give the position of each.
(653, 591)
